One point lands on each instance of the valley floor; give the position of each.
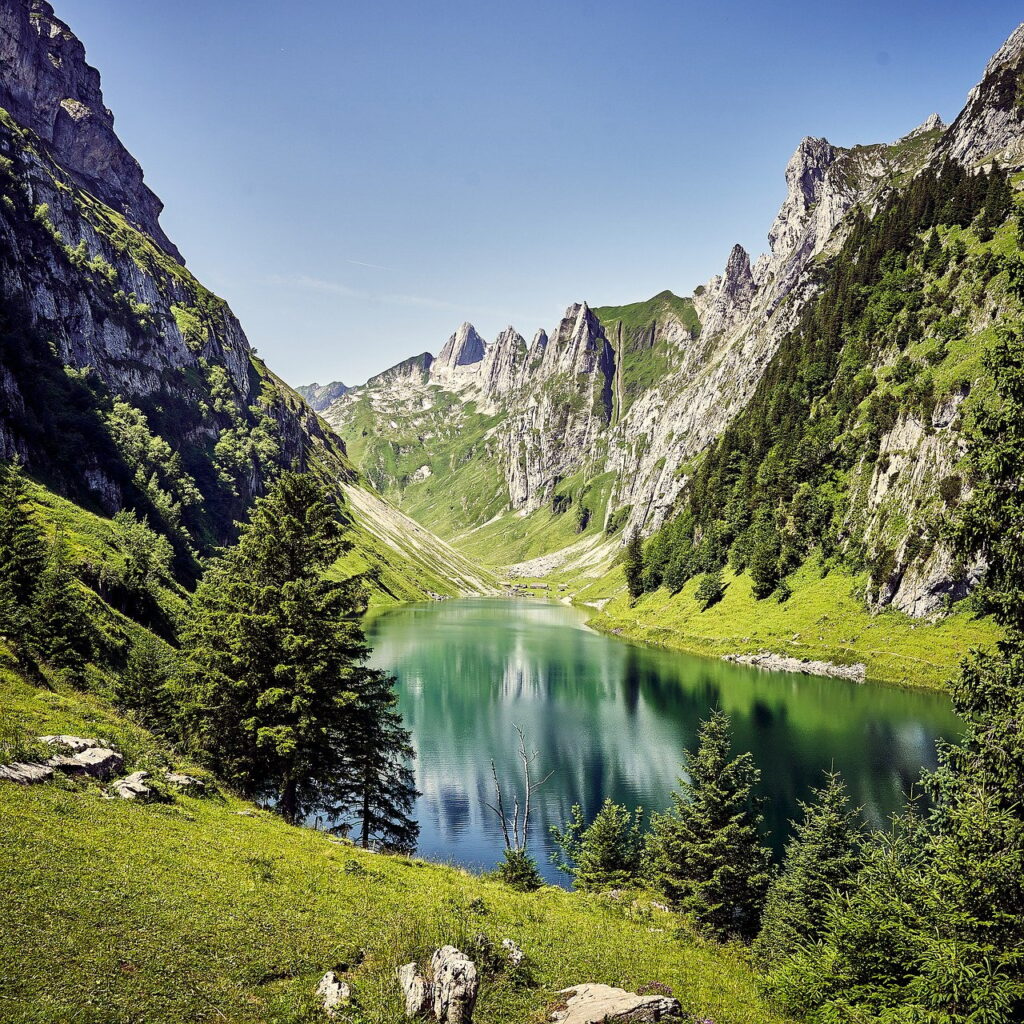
(212, 910)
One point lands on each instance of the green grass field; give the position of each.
(824, 619)
(212, 910)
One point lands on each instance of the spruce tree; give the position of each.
(379, 790)
(606, 854)
(821, 860)
(706, 852)
(22, 557)
(62, 630)
(710, 589)
(273, 677)
(634, 565)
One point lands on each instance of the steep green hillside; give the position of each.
(207, 909)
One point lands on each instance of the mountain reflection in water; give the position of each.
(612, 719)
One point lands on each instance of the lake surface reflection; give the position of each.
(612, 719)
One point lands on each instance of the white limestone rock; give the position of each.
(76, 744)
(98, 762)
(455, 986)
(333, 993)
(132, 787)
(418, 992)
(603, 1004)
(25, 774)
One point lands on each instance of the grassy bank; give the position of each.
(825, 619)
(212, 910)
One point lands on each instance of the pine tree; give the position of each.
(706, 852)
(606, 854)
(634, 565)
(710, 589)
(22, 557)
(934, 256)
(821, 860)
(380, 788)
(273, 676)
(62, 630)
(763, 566)
(144, 687)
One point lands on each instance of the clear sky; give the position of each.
(358, 178)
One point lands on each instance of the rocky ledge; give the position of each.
(786, 663)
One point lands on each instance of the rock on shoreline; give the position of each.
(785, 663)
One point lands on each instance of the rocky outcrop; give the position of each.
(25, 774)
(603, 1004)
(805, 666)
(455, 986)
(464, 348)
(99, 762)
(416, 990)
(503, 364)
(333, 993)
(132, 787)
(450, 992)
(991, 124)
(47, 86)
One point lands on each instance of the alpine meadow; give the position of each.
(668, 666)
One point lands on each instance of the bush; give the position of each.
(607, 854)
(519, 870)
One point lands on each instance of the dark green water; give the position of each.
(612, 719)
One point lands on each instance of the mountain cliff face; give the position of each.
(124, 382)
(613, 411)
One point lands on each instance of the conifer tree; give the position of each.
(380, 790)
(61, 628)
(711, 589)
(634, 565)
(706, 852)
(22, 547)
(606, 854)
(821, 860)
(273, 677)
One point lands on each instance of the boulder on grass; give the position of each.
(603, 1004)
(99, 762)
(418, 992)
(25, 774)
(133, 786)
(333, 993)
(187, 783)
(76, 744)
(455, 986)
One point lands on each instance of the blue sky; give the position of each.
(357, 179)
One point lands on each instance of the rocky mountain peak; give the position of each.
(503, 362)
(930, 124)
(463, 348)
(727, 296)
(805, 174)
(320, 396)
(47, 86)
(991, 125)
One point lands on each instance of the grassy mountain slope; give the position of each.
(209, 909)
(824, 619)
